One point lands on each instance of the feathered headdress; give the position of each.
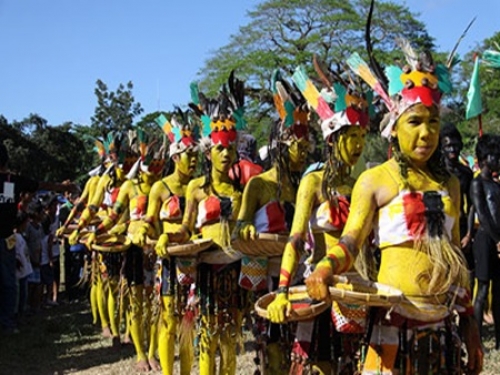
(181, 130)
(291, 106)
(149, 161)
(420, 81)
(222, 117)
(337, 105)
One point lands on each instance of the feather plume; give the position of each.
(382, 80)
(320, 72)
(278, 102)
(311, 93)
(410, 54)
(164, 124)
(451, 56)
(359, 66)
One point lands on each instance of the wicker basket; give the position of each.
(219, 256)
(303, 307)
(110, 243)
(357, 291)
(190, 248)
(265, 244)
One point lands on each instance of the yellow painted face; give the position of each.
(298, 152)
(417, 131)
(350, 144)
(120, 175)
(186, 161)
(223, 157)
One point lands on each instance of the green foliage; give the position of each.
(43, 152)
(284, 34)
(115, 110)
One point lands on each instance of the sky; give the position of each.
(52, 52)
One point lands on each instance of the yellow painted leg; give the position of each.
(228, 345)
(136, 328)
(101, 307)
(275, 357)
(187, 333)
(322, 368)
(208, 345)
(167, 334)
(152, 325)
(113, 292)
(93, 302)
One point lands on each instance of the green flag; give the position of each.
(474, 104)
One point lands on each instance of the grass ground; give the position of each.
(62, 340)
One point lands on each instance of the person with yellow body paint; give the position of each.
(322, 207)
(165, 208)
(412, 204)
(212, 205)
(269, 198)
(133, 195)
(106, 189)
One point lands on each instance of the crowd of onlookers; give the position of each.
(30, 252)
(38, 251)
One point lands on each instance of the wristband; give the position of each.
(282, 290)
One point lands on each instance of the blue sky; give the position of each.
(53, 51)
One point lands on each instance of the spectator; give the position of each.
(50, 224)
(485, 194)
(34, 238)
(24, 268)
(11, 187)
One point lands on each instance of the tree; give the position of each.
(286, 34)
(490, 94)
(115, 111)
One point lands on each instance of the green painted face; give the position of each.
(223, 157)
(298, 152)
(350, 144)
(186, 162)
(417, 131)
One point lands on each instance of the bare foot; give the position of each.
(127, 340)
(488, 318)
(155, 365)
(106, 332)
(142, 366)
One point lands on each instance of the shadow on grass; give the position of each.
(60, 340)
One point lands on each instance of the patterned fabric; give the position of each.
(403, 218)
(139, 211)
(110, 197)
(209, 211)
(349, 318)
(172, 208)
(186, 270)
(412, 348)
(271, 219)
(328, 217)
(253, 275)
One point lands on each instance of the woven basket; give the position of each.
(303, 307)
(363, 292)
(218, 256)
(265, 244)
(190, 248)
(110, 243)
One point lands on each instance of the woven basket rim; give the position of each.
(190, 248)
(265, 244)
(305, 313)
(122, 241)
(386, 297)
